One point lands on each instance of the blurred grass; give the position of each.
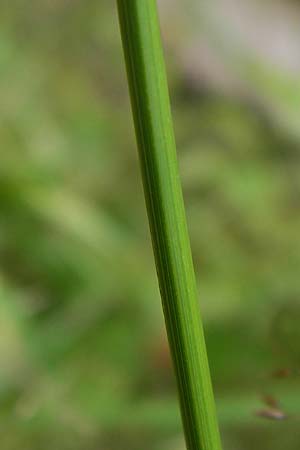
(77, 371)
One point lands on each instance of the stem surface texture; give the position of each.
(154, 130)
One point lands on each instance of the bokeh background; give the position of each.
(84, 362)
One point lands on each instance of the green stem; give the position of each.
(153, 123)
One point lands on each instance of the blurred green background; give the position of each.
(84, 362)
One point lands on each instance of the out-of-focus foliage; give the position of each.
(84, 360)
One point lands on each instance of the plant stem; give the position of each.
(154, 130)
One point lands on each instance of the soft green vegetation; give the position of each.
(83, 353)
(153, 123)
